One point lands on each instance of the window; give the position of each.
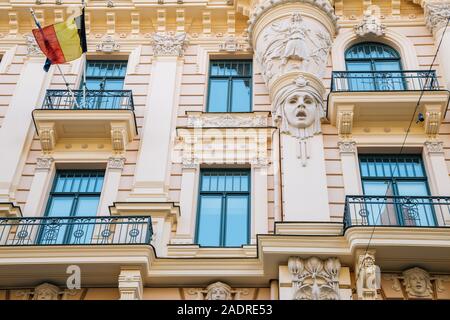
(374, 65)
(230, 84)
(105, 76)
(223, 214)
(401, 178)
(74, 194)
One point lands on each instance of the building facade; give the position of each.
(227, 149)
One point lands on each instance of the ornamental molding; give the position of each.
(370, 24)
(226, 120)
(118, 139)
(315, 279)
(190, 162)
(432, 123)
(47, 136)
(344, 122)
(33, 49)
(260, 162)
(347, 146)
(292, 44)
(44, 163)
(437, 14)
(130, 285)
(116, 162)
(434, 146)
(368, 276)
(232, 44)
(108, 45)
(169, 43)
(267, 5)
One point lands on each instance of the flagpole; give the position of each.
(59, 68)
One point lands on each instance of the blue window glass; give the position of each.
(230, 86)
(375, 67)
(223, 214)
(396, 180)
(105, 76)
(74, 194)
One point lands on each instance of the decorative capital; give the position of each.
(44, 163)
(33, 49)
(437, 14)
(116, 162)
(370, 24)
(108, 45)
(347, 146)
(169, 43)
(315, 279)
(434, 146)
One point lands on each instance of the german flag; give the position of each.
(62, 42)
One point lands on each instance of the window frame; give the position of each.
(125, 62)
(223, 194)
(230, 87)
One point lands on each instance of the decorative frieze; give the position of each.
(169, 43)
(434, 146)
(116, 162)
(217, 291)
(108, 45)
(315, 279)
(44, 163)
(33, 49)
(226, 120)
(437, 14)
(368, 276)
(347, 146)
(231, 44)
(370, 24)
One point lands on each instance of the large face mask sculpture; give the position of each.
(298, 110)
(417, 283)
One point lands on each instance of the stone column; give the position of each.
(154, 161)
(17, 130)
(37, 197)
(436, 14)
(130, 284)
(188, 196)
(350, 167)
(260, 214)
(110, 184)
(292, 41)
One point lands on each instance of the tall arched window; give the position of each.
(374, 65)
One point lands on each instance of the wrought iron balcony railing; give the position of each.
(43, 231)
(404, 211)
(354, 81)
(95, 100)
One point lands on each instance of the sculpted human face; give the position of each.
(218, 294)
(300, 109)
(418, 283)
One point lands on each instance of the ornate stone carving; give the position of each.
(417, 283)
(315, 279)
(434, 146)
(370, 25)
(44, 163)
(260, 162)
(108, 45)
(298, 109)
(169, 43)
(116, 162)
(344, 123)
(217, 291)
(368, 277)
(437, 14)
(33, 49)
(432, 123)
(48, 139)
(118, 139)
(46, 291)
(190, 162)
(226, 120)
(231, 44)
(347, 146)
(292, 45)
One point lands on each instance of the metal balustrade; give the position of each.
(44, 231)
(95, 100)
(361, 81)
(414, 211)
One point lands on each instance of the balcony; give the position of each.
(70, 231)
(399, 211)
(104, 117)
(385, 98)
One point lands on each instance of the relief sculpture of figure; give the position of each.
(369, 278)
